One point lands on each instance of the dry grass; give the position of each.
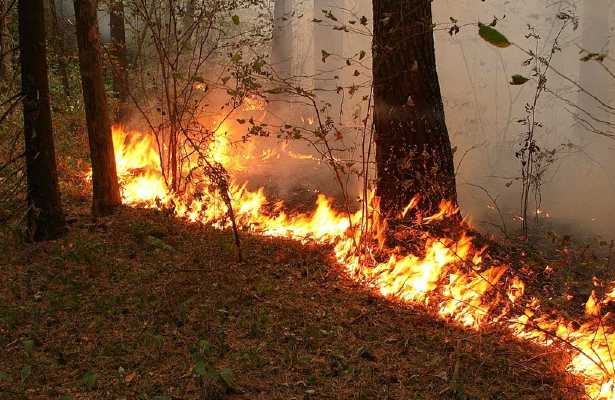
(143, 306)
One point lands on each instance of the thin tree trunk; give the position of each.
(119, 56)
(328, 73)
(594, 39)
(5, 43)
(106, 194)
(281, 43)
(60, 49)
(45, 215)
(281, 53)
(413, 150)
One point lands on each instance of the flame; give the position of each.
(253, 103)
(449, 276)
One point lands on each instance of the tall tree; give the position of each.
(45, 215)
(413, 150)
(281, 53)
(282, 39)
(5, 41)
(106, 194)
(118, 54)
(59, 47)
(594, 39)
(328, 51)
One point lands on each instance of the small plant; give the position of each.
(202, 355)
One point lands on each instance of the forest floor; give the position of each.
(141, 305)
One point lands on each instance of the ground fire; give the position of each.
(307, 200)
(449, 277)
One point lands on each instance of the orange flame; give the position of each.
(469, 296)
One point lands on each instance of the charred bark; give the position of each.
(118, 55)
(106, 193)
(45, 215)
(413, 150)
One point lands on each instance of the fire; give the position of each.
(449, 277)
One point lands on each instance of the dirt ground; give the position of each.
(144, 306)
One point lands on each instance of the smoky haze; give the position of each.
(577, 188)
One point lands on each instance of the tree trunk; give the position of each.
(413, 150)
(281, 55)
(327, 73)
(5, 42)
(281, 43)
(594, 39)
(118, 55)
(45, 215)
(60, 48)
(106, 194)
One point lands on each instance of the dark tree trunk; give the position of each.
(106, 194)
(45, 215)
(118, 55)
(60, 48)
(413, 150)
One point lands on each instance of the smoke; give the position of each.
(576, 191)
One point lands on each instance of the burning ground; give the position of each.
(150, 303)
(143, 305)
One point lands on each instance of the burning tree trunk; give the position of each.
(104, 176)
(45, 215)
(413, 151)
(118, 54)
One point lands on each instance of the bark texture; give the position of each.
(5, 42)
(413, 150)
(118, 55)
(45, 215)
(106, 193)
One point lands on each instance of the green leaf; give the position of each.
(204, 345)
(227, 376)
(28, 345)
(25, 373)
(88, 380)
(492, 36)
(4, 377)
(200, 369)
(236, 19)
(236, 57)
(518, 80)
